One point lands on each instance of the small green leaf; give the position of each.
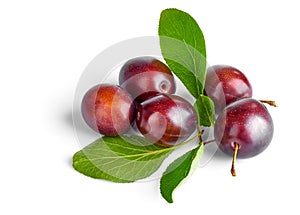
(183, 48)
(120, 159)
(178, 170)
(205, 109)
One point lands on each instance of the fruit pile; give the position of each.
(144, 96)
(244, 127)
(142, 121)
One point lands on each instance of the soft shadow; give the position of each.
(68, 118)
(76, 121)
(69, 161)
(220, 156)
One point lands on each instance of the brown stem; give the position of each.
(200, 133)
(209, 141)
(236, 148)
(271, 103)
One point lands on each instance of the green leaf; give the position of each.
(204, 107)
(120, 159)
(178, 170)
(183, 48)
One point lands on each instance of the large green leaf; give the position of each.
(178, 170)
(120, 159)
(205, 109)
(183, 48)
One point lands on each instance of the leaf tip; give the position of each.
(74, 160)
(169, 9)
(167, 196)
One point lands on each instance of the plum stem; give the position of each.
(209, 141)
(200, 133)
(236, 148)
(269, 102)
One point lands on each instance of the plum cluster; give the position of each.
(145, 95)
(244, 127)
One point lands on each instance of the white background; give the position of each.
(44, 48)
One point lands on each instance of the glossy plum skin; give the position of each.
(108, 109)
(225, 84)
(146, 77)
(166, 120)
(246, 122)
